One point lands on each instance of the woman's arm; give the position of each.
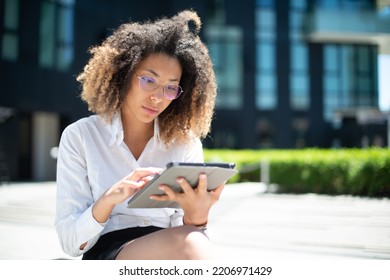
(121, 191)
(79, 218)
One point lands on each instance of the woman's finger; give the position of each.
(133, 184)
(147, 179)
(140, 173)
(217, 191)
(169, 194)
(186, 187)
(202, 184)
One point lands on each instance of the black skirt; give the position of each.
(109, 245)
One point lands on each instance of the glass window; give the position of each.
(265, 18)
(10, 47)
(346, 79)
(265, 35)
(299, 83)
(47, 38)
(266, 56)
(299, 91)
(298, 4)
(65, 25)
(299, 55)
(265, 3)
(65, 38)
(330, 106)
(64, 57)
(364, 84)
(216, 53)
(296, 24)
(347, 56)
(364, 59)
(296, 19)
(349, 77)
(56, 34)
(265, 24)
(299, 80)
(330, 58)
(266, 91)
(10, 34)
(328, 3)
(345, 4)
(225, 46)
(11, 14)
(66, 2)
(356, 5)
(331, 83)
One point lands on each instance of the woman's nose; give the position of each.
(157, 95)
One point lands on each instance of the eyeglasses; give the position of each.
(148, 83)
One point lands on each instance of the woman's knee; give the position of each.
(192, 243)
(189, 234)
(183, 242)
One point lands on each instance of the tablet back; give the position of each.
(216, 176)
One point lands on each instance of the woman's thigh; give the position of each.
(183, 242)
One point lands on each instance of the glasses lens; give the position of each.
(172, 91)
(148, 83)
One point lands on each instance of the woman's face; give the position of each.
(146, 105)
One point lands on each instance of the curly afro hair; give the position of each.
(106, 77)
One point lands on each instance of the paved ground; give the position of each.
(247, 223)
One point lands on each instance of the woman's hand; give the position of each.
(196, 203)
(130, 184)
(121, 191)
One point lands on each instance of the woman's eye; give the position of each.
(172, 88)
(149, 80)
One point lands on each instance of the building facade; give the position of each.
(291, 74)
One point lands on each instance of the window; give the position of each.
(225, 45)
(298, 4)
(265, 24)
(10, 36)
(345, 4)
(266, 97)
(298, 10)
(56, 34)
(266, 57)
(350, 77)
(266, 91)
(265, 3)
(299, 77)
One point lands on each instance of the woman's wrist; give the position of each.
(200, 225)
(102, 208)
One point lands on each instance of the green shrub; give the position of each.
(364, 172)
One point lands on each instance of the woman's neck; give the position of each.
(136, 134)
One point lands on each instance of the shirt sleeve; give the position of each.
(74, 222)
(194, 151)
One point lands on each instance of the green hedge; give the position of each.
(363, 172)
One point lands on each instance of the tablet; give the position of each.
(217, 174)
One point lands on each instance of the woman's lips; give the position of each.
(151, 111)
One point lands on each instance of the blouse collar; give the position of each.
(117, 133)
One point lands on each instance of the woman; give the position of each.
(152, 89)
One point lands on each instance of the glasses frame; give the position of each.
(164, 85)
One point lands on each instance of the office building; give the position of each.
(291, 74)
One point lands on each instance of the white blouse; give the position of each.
(92, 157)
